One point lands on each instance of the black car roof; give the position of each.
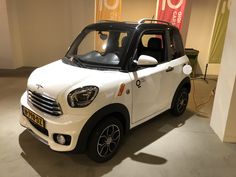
(130, 25)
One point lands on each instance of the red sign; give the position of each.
(171, 11)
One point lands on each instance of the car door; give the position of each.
(153, 87)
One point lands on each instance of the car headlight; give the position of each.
(82, 97)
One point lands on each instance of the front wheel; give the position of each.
(179, 102)
(105, 140)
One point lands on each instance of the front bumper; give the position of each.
(65, 124)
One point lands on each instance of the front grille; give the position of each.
(44, 103)
(40, 129)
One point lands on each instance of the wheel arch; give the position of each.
(117, 110)
(185, 83)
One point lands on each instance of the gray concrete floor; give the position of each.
(165, 146)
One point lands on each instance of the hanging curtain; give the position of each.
(219, 32)
(108, 10)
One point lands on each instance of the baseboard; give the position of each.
(229, 139)
(201, 76)
(22, 71)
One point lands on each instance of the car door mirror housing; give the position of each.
(145, 60)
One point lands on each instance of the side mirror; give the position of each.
(145, 60)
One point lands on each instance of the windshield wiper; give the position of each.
(77, 60)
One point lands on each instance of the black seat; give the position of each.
(123, 41)
(122, 46)
(154, 49)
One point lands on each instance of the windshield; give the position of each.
(99, 47)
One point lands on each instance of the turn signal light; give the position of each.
(121, 90)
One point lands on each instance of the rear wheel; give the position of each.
(105, 140)
(179, 102)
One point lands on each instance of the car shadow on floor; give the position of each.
(53, 164)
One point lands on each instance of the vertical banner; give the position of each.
(108, 10)
(171, 11)
(219, 32)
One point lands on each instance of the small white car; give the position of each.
(115, 76)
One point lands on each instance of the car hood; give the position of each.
(56, 77)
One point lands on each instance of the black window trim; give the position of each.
(177, 40)
(165, 43)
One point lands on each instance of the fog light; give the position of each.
(61, 139)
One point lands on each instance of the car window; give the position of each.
(92, 42)
(122, 39)
(99, 47)
(152, 44)
(147, 37)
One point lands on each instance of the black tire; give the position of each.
(179, 102)
(105, 140)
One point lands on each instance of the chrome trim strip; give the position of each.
(49, 98)
(44, 103)
(41, 99)
(56, 108)
(46, 110)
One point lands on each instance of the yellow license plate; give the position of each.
(33, 117)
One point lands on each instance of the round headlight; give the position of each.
(82, 97)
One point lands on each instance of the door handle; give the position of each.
(170, 68)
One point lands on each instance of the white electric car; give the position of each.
(115, 76)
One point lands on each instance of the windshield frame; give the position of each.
(101, 27)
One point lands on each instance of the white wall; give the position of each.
(200, 30)
(186, 21)
(13, 20)
(134, 10)
(6, 50)
(82, 14)
(42, 30)
(223, 120)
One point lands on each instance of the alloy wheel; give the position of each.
(108, 140)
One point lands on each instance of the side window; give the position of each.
(122, 39)
(152, 43)
(176, 45)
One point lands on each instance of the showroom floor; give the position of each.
(165, 146)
